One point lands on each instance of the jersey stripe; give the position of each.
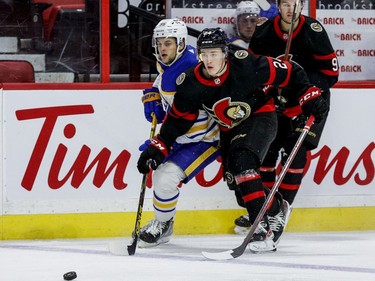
(253, 196)
(272, 72)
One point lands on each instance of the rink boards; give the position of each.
(68, 168)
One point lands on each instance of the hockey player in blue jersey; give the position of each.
(192, 151)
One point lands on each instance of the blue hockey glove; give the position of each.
(144, 145)
(152, 104)
(153, 156)
(273, 11)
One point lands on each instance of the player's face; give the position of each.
(286, 8)
(213, 60)
(167, 49)
(246, 24)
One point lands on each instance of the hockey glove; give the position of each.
(273, 11)
(153, 156)
(152, 104)
(144, 145)
(298, 123)
(313, 103)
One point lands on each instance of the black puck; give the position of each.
(70, 275)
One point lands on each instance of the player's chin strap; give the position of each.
(222, 68)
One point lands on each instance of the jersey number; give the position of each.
(335, 64)
(279, 64)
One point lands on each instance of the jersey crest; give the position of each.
(181, 78)
(316, 27)
(241, 54)
(227, 113)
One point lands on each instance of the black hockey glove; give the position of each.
(313, 103)
(153, 156)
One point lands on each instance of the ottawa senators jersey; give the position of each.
(310, 48)
(232, 97)
(204, 129)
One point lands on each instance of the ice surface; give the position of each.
(300, 257)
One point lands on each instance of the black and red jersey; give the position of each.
(310, 48)
(232, 97)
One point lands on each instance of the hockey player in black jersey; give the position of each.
(224, 85)
(310, 48)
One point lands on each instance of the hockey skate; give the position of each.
(155, 233)
(242, 225)
(262, 240)
(279, 221)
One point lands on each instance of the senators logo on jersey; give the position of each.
(227, 113)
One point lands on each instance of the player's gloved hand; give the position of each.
(298, 122)
(153, 156)
(152, 104)
(313, 103)
(273, 11)
(144, 145)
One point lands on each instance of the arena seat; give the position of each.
(16, 71)
(56, 10)
(50, 14)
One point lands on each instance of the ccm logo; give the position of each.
(158, 145)
(309, 96)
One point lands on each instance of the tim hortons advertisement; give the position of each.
(76, 151)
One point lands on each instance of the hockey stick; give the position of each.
(290, 33)
(288, 44)
(236, 252)
(118, 249)
(132, 247)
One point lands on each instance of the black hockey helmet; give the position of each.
(212, 38)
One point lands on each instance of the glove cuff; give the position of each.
(160, 145)
(311, 93)
(151, 96)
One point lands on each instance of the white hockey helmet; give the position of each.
(174, 28)
(247, 7)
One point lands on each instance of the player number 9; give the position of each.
(335, 65)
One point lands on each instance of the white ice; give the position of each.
(329, 256)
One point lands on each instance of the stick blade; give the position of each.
(131, 248)
(225, 255)
(263, 4)
(118, 248)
